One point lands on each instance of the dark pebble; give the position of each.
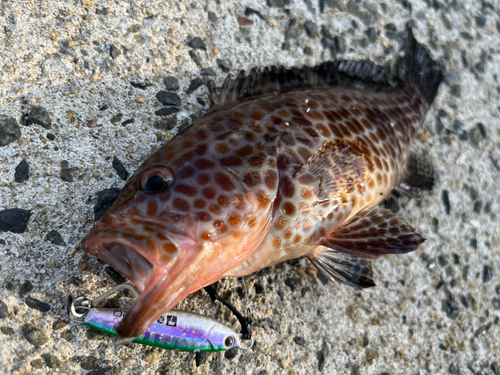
(258, 288)
(291, 283)
(165, 111)
(9, 130)
(473, 243)
(201, 101)
(455, 90)
(66, 174)
(114, 51)
(480, 331)
(208, 72)
(14, 220)
(446, 201)
(371, 34)
(51, 136)
(87, 363)
(103, 107)
(450, 309)
(116, 118)
(67, 335)
(106, 371)
(223, 65)
(37, 363)
(34, 335)
(311, 29)
(7, 331)
(366, 341)
(230, 354)
(201, 358)
(452, 369)
(166, 123)
(278, 3)
(464, 135)
(105, 200)
(129, 121)
(4, 311)
(171, 83)
(197, 43)
(55, 237)
(37, 304)
(495, 368)
(195, 84)
(194, 56)
(25, 288)
(477, 207)
(496, 303)
(465, 35)
(75, 281)
(51, 360)
(115, 275)
(299, 340)
(39, 115)
(58, 324)
(291, 31)
(22, 172)
(168, 98)
(120, 169)
(487, 275)
(391, 204)
(142, 86)
(250, 11)
(320, 355)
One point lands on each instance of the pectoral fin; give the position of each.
(343, 268)
(372, 232)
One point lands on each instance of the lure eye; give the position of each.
(229, 341)
(156, 179)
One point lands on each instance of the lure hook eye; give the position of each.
(156, 179)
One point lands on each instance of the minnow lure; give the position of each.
(288, 163)
(178, 330)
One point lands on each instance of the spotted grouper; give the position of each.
(288, 163)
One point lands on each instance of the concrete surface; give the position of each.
(433, 312)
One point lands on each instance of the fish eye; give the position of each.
(156, 179)
(229, 341)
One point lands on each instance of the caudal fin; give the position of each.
(417, 67)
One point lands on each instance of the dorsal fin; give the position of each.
(342, 73)
(416, 68)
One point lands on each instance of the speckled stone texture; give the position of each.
(81, 79)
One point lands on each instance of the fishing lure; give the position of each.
(179, 330)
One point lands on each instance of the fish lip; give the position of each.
(121, 254)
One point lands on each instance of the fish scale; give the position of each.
(288, 163)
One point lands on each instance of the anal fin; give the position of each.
(343, 268)
(372, 232)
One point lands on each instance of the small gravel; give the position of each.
(197, 43)
(55, 237)
(39, 115)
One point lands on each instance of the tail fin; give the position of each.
(417, 65)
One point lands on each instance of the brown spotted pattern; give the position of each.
(255, 183)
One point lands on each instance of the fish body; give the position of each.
(289, 163)
(179, 330)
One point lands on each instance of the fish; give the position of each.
(178, 330)
(288, 163)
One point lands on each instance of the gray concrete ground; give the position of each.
(92, 65)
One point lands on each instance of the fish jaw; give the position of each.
(161, 261)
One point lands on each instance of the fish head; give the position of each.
(177, 226)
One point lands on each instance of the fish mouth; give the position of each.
(157, 258)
